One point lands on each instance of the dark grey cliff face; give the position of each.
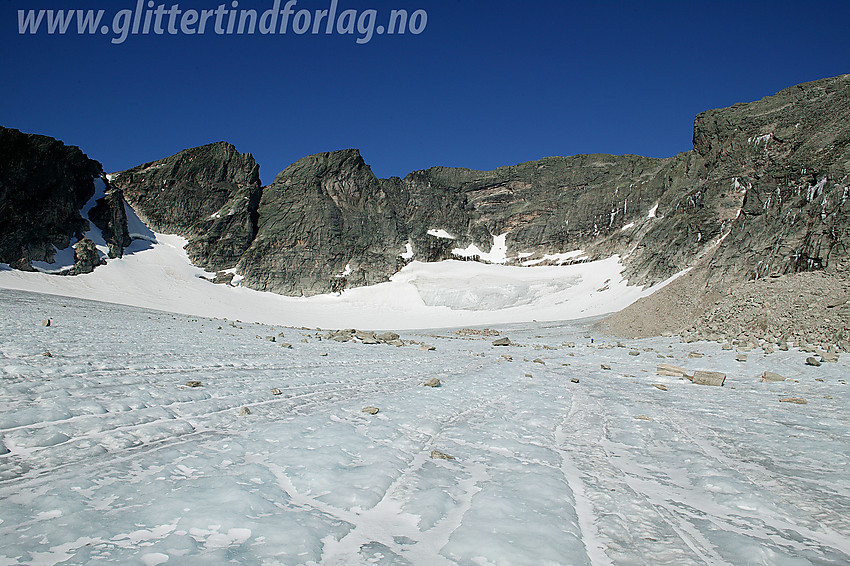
(555, 204)
(208, 195)
(764, 192)
(43, 185)
(325, 223)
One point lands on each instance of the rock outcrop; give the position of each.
(43, 186)
(110, 216)
(86, 258)
(326, 223)
(789, 156)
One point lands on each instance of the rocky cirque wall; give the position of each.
(328, 215)
(789, 155)
(763, 193)
(786, 160)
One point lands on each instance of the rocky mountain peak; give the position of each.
(326, 223)
(327, 163)
(207, 194)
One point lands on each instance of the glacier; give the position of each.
(108, 457)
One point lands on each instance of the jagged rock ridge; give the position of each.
(763, 192)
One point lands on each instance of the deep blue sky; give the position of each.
(488, 83)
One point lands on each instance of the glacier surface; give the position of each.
(108, 457)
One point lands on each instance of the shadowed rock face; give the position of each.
(43, 185)
(208, 195)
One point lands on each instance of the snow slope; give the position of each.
(106, 456)
(156, 273)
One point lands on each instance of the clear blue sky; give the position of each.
(487, 83)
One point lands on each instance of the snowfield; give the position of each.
(421, 295)
(156, 273)
(106, 456)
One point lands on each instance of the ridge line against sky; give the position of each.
(483, 85)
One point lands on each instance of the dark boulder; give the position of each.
(86, 258)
